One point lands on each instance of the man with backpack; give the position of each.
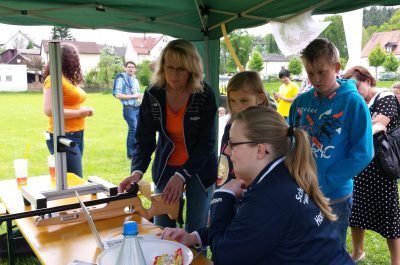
(126, 89)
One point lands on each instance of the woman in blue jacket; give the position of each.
(282, 216)
(181, 108)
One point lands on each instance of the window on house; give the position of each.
(18, 60)
(9, 78)
(389, 48)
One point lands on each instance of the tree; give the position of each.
(35, 64)
(30, 45)
(391, 63)
(61, 33)
(376, 58)
(144, 73)
(377, 16)
(242, 44)
(335, 33)
(256, 62)
(271, 46)
(104, 74)
(295, 66)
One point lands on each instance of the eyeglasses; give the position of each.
(233, 145)
(170, 69)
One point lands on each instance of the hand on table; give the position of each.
(126, 183)
(237, 186)
(173, 190)
(180, 235)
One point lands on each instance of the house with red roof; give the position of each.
(145, 47)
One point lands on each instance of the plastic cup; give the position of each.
(52, 165)
(21, 171)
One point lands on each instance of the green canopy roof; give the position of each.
(187, 19)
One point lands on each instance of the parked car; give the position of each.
(297, 78)
(388, 76)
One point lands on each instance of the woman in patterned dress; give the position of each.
(376, 199)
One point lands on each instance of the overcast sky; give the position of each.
(101, 36)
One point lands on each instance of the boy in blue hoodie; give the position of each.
(339, 125)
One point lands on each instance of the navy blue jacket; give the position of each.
(199, 134)
(276, 223)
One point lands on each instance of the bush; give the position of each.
(272, 78)
(144, 73)
(295, 66)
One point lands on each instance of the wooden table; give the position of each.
(61, 244)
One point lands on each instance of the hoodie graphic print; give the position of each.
(340, 131)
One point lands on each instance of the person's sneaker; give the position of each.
(360, 258)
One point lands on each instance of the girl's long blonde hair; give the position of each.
(266, 125)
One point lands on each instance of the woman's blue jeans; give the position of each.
(197, 201)
(74, 160)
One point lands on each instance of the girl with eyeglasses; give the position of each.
(282, 216)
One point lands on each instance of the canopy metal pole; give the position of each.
(58, 113)
(61, 144)
(206, 39)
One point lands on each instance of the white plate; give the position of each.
(151, 248)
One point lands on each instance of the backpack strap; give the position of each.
(127, 80)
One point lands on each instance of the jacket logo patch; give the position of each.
(216, 200)
(194, 118)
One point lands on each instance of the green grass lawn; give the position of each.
(23, 123)
(275, 85)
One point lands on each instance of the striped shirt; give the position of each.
(123, 88)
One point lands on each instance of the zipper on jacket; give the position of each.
(184, 138)
(183, 125)
(162, 128)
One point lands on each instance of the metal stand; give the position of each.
(39, 198)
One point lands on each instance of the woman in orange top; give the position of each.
(74, 112)
(180, 108)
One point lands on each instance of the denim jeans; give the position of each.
(342, 209)
(197, 202)
(130, 115)
(74, 161)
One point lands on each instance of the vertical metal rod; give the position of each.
(10, 243)
(58, 113)
(207, 59)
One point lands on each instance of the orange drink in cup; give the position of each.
(21, 171)
(52, 165)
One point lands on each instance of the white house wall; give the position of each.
(13, 77)
(156, 51)
(130, 54)
(273, 68)
(88, 62)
